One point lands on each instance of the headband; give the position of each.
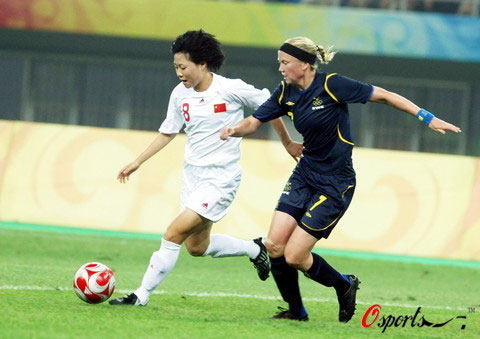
(298, 53)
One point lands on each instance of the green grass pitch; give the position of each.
(216, 298)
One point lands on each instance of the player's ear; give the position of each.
(203, 65)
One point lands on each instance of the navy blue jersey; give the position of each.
(320, 114)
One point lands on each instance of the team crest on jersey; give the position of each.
(287, 188)
(317, 103)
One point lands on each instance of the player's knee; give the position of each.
(196, 251)
(296, 260)
(293, 261)
(273, 249)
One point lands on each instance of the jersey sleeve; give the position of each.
(174, 121)
(246, 94)
(272, 108)
(346, 90)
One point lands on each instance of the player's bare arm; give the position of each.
(293, 148)
(158, 143)
(383, 96)
(242, 128)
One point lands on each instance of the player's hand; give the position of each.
(127, 170)
(295, 149)
(226, 133)
(441, 126)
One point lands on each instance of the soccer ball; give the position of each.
(94, 282)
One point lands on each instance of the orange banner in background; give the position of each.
(84, 16)
(405, 203)
(264, 24)
(159, 19)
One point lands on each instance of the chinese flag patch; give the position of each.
(220, 108)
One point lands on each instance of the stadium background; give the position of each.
(70, 67)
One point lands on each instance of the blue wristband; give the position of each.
(425, 116)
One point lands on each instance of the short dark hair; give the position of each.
(200, 47)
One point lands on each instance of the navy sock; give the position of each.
(326, 275)
(286, 278)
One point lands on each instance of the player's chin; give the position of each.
(187, 84)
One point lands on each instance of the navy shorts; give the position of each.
(316, 201)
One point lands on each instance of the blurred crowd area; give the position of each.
(458, 7)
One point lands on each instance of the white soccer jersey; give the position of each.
(206, 113)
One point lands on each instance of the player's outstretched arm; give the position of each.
(242, 128)
(158, 143)
(395, 100)
(441, 126)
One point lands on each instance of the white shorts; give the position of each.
(210, 190)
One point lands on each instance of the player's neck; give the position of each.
(306, 81)
(205, 83)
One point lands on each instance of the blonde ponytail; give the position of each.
(325, 55)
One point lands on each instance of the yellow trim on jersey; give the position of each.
(281, 94)
(349, 186)
(290, 114)
(326, 87)
(342, 138)
(289, 103)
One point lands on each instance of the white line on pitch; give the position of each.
(236, 295)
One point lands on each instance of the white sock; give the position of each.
(161, 263)
(222, 245)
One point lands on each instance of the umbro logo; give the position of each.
(205, 205)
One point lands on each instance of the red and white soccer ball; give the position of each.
(94, 282)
